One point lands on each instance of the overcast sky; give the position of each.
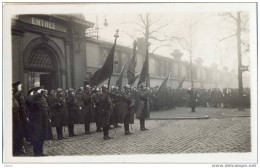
(210, 28)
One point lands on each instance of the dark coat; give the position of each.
(17, 128)
(127, 108)
(106, 109)
(38, 120)
(144, 107)
(72, 108)
(59, 111)
(97, 107)
(88, 108)
(193, 98)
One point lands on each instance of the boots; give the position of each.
(142, 125)
(127, 132)
(87, 128)
(71, 130)
(106, 136)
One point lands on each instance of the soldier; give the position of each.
(17, 124)
(46, 103)
(127, 115)
(96, 97)
(115, 96)
(193, 99)
(144, 103)
(59, 113)
(38, 119)
(88, 108)
(106, 110)
(23, 112)
(72, 111)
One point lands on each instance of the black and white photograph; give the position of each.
(133, 82)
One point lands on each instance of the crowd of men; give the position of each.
(171, 98)
(35, 113)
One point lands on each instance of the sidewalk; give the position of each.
(201, 113)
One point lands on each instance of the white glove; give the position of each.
(40, 90)
(80, 108)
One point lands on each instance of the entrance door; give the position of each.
(47, 81)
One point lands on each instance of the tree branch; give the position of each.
(156, 30)
(227, 37)
(165, 45)
(229, 14)
(142, 19)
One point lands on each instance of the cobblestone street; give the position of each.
(222, 132)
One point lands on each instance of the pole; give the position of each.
(239, 55)
(191, 74)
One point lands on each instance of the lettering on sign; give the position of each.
(43, 23)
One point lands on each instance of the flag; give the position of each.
(120, 79)
(164, 84)
(131, 67)
(180, 85)
(145, 70)
(106, 70)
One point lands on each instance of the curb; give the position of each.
(236, 115)
(180, 118)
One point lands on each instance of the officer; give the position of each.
(88, 108)
(46, 103)
(38, 119)
(23, 113)
(115, 96)
(17, 124)
(128, 110)
(97, 108)
(144, 99)
(72, 111)
(193, 99)
(106, 110)
(59, 113)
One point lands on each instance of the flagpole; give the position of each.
(116, 36)
(134, 52)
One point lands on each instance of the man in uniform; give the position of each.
(106, 110)
(23, 113)
(96, 97)
(38, 119)
(88, 108)
(193, 99)
(144, 102)
(59, 113)
(72, 111)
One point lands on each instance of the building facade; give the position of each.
(54, 51)
(49, 49)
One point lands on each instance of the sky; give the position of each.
(209, 29)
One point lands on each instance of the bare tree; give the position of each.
(187, 41)
(240, 20)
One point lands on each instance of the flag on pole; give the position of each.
(164, 84)
(120, 79)
(145, 70)
(131, 67)
(106, 70)
(182, 81)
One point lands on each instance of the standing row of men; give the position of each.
(34, 115)
(170, 98)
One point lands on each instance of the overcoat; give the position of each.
(72, 108)
(59, 111)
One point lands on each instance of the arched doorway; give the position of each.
(41, 65)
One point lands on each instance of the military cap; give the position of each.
(105, 86)
(59, 90)
(97, 89)
(35, 89)
(70, 90)
(15, 84)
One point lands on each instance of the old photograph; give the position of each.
(93, 80)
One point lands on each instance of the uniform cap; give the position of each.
(15, 84)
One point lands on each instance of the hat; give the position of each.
(59, 90)
(15, 84)
(35, 89)
(71, 90)
(105, 86)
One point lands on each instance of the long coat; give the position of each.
(143, 109)
(106, 110)
(17, 127)
(88, 108)
(59, 112)
(127, 108)
(98, 107)
(72, 109)
(38, 120)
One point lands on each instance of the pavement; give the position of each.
(218, 133)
